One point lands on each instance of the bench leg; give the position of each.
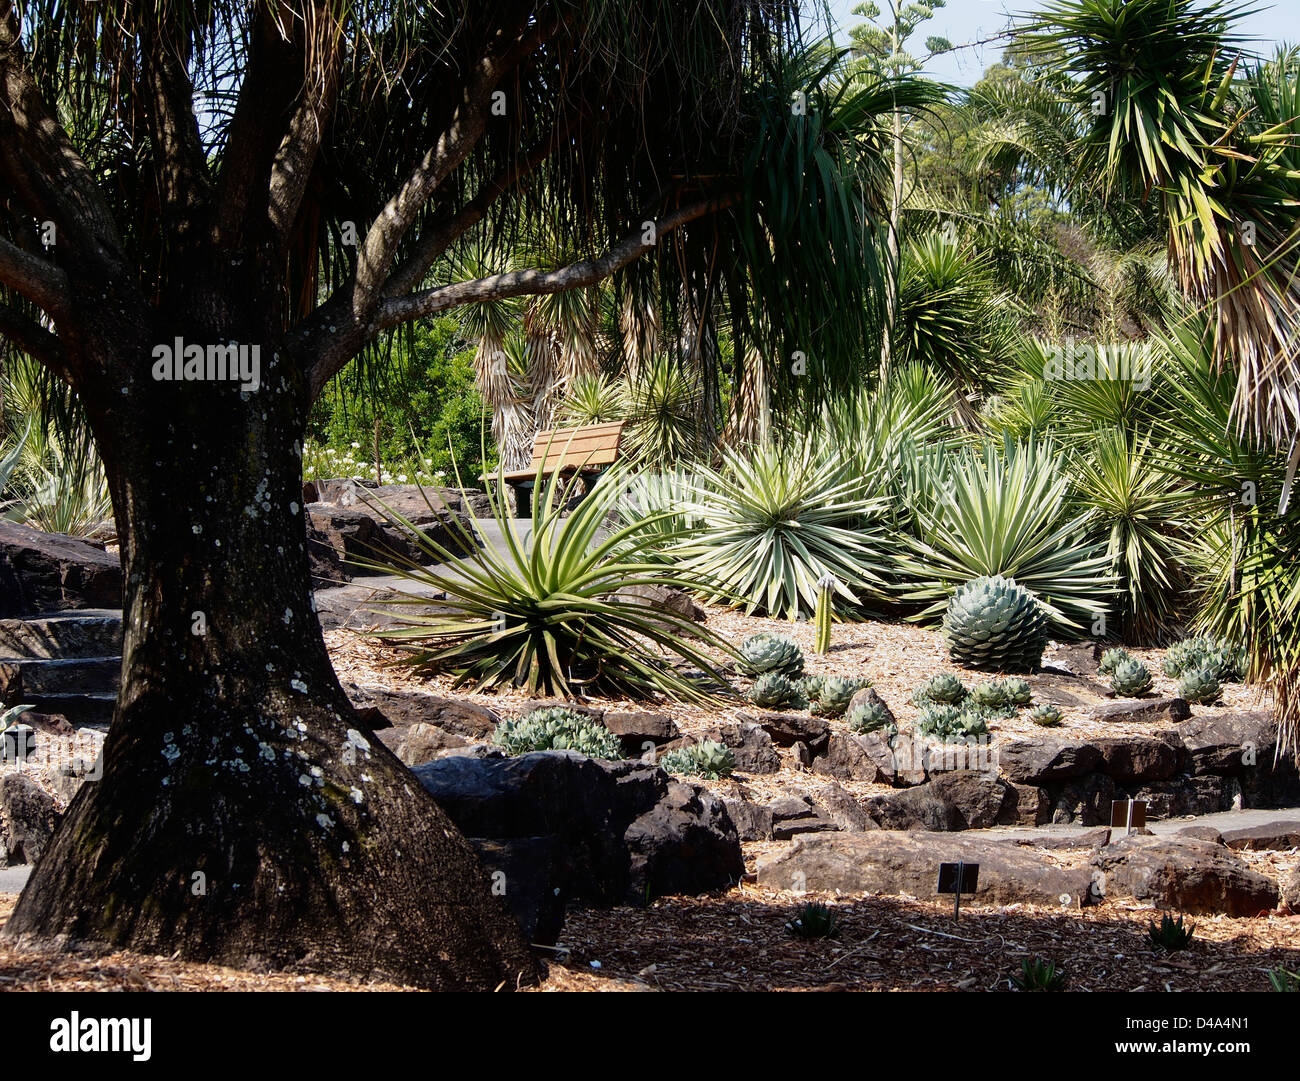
(524, 500)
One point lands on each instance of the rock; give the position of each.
(1290, 889)
(841, 807)
(1084, 801)
(359, 538)
(920, 808)
(1026, 805)
(753, 821)
(750, 744)
(324, 562)
(796, 814)
(27, 819)
(1227, 744)
(1077, 658)
(1201, 833)
(625, 831)
(1272, 835)
(47, 572)
(868, 697)
(642, 732)
(978, 799)
(1136, 758)
(418, 743)
(1194, 877)
(524, 873)
(889, 862)
(857, 758)
(663, 599)
(1093, 838)
(381, 707)
(1144, 710)
(1039, 761)
(787, 729)
(1183, 795)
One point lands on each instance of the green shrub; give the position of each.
(557, 729)
(708, 759)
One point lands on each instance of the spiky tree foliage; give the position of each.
(1005, 510)
(774, 520)
(297, 178)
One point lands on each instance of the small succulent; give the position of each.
(835, 694)
(871, 717)
(557, 729)
(950, 722)
(1171, 934)
(1227, 661)
(991, 695)
(813, 921)
(1048, 716)
(1112, 659)
(1037, 974)
(771, 652)
(1016, 691)
(1200, 685)
(945, 689)
(708, 758)
(811, 686)
(772, 690)
(1130, 678)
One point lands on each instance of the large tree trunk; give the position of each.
(245, 816)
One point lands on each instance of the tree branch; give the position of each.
(376, 253)
(39, 160)
(33, 339)
(39, 280)
(533, 282)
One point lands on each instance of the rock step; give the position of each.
(91, 708)
(21, 677)
(89, 633)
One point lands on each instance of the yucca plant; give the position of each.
(591, 399)
(1005, 512)
(661, 402)
(1138, 509)
(1280, 979)
(775, 520)
(541, 614)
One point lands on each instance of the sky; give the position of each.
(963, 21)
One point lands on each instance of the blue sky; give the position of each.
(974, 20)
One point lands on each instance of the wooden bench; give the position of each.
(588, 452)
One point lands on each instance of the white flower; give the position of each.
(356, 446)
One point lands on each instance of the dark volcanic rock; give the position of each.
(625, 831)
(46, 572)
(380, 707)
(1136, 758)
(979, 800)
(27, 819)
(1039, 761)
(750, 744)
(663, 599)
(1184, 875)
(1143, 710)
(1229, 743)
(787, 729)
(1272, 835)
(641, 732)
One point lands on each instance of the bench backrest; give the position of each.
(575, 448)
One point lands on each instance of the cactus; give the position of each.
(1112, 659)
(708, 758)
(774, 691)
(871, 717)
(557, 729)
(1200, 685)
(770, 652)
(1130, 678)
(824, 610)
(1046, 715)
(835, 695)
(1016, 691)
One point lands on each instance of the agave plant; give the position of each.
(708, 759)
(775, 520)
(542, 613)
(1006, 512)
(557, 729)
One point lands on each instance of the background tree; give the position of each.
(300, 178)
